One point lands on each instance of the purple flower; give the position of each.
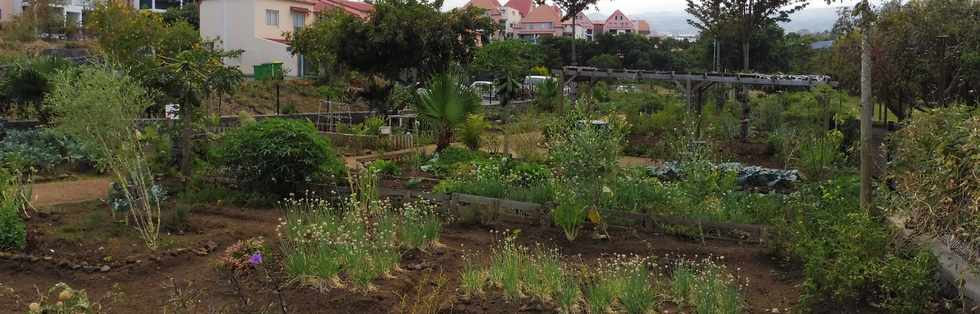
(255, 259)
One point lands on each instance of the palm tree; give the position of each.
(446, 105)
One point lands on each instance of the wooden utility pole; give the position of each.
(867, 110)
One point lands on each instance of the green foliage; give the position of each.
(707, 287)
(25, 82)
(398, 36)
(606, 61)
(472, 131)
(585, 157)
(819, 156)
(13, 231)
(359, 237)
(443, 163)
(384, 167)
(548, 96)
(45, 149)
(847, 254)
(446, 106)
(62, 298)
(934, 171)
(278, 156)
(505, 58)
(500, 178)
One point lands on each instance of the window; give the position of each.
(272, 17)
(299, 20)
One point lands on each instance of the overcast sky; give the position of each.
(631, 7)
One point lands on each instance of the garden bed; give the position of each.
(143, 275)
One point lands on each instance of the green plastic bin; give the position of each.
(268, 71)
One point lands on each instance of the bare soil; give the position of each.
(73, 234)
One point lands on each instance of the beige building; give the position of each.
(258, 28)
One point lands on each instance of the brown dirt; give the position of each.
(141, 274)
(66, 192)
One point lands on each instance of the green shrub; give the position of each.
(934, 171)
(13, 231)
(444, 162)
(819, 155)
(472, 130)
(385, 167)
(847, 253)
(45, 149)
(278, 156)
(907, 283)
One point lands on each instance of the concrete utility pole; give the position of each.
(867, 110)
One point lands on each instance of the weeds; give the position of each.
(706, 287)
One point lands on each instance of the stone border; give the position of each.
(125, 264)
(954, 271)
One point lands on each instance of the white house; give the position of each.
(258, 28)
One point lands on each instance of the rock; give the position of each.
(48, 258)
(211, 245)
(75, 266)
(105, 268)
(200, 251)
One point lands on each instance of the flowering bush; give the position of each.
(706, 286)
(244, 255)
(359, 238)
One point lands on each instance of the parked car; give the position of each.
(485, 89)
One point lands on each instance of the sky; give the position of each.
(630, 7)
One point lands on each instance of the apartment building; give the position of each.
(258, 28)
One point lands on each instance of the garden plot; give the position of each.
(184, 268)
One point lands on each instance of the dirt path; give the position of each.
(66, 192)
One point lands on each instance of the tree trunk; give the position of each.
(445, 138)
(866, 114)
(744, 91)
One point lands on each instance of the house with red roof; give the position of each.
(541, 21)
(583, 27)
(257, 27)
(358, 9)
(618, 23)
(522, 6)
(508, 17)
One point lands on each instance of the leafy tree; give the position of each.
(922, 55)
(750, 16)
(505, 58)
(97, 104)
(708, 17)
(170, 58)
(399, 37)
(189, 12)
(446, 106)
(572, 9)
(605, 61)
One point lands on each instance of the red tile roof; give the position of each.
(484, 4)
(642, 26)
(522, 6)
(359, 9)
(544, 13)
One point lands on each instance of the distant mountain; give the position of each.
(675, 22)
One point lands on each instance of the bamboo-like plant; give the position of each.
(97, 104)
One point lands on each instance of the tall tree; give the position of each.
(750, 16)
(572, 8)
(708, 17)
(411, 37)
